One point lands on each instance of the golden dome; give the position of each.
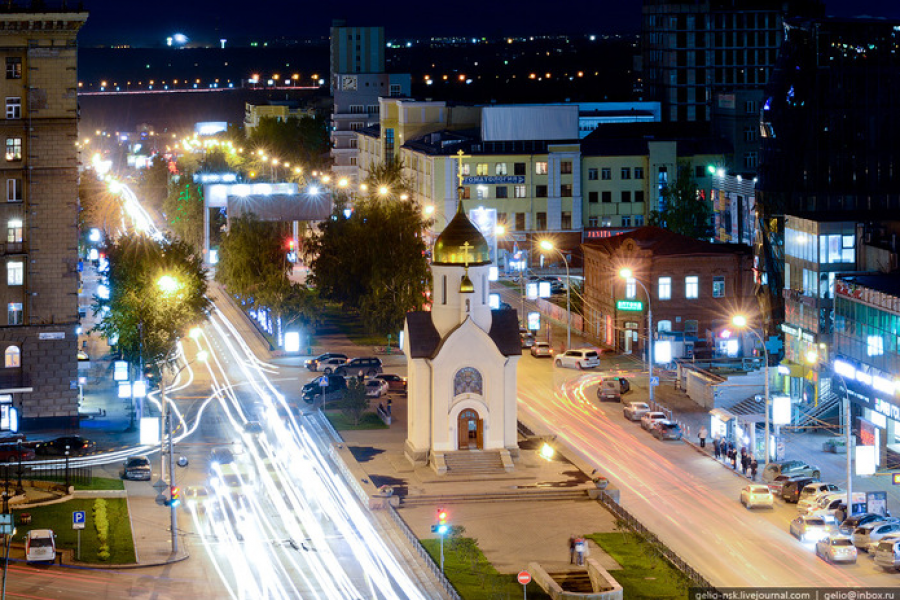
(461, 243)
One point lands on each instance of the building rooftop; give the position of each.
(626, 139)
(662, 242)
(886, 283)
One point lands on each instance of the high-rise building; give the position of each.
(40, 251)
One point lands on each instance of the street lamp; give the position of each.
(547, 245)
(627, 274)
(848, 430)
(740, 321)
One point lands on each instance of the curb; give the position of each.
(86, 566)
(723, 464)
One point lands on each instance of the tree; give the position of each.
(683, 210)
(296, 140)
(153, 186)
(184, 212)
(100, 208)
(140, 317)
(355, 402)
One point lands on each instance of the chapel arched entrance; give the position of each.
(470, 430)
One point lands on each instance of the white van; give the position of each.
(887, 553)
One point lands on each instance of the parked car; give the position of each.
(333, 389)
(137, 468)
(810, 529)
(791, 490)
(851, 523)
(649, 418)
(831, 507)
(635, 410)
(612, 388)
(887, 553)
(757, 495)
(790, 467)
(666, 430)
(836, 548)
(375, 388)
(873, 546)
(778, 484)
(541, 350)
(395, 382)
(313, 363)
(76, 444)
(329, 365)
(368, 367)
(873, 532)
(810, 495)
(583, 358)
(40, 545)
(14, 452)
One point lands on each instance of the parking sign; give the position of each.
(78, 519)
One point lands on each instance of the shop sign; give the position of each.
(798, 332)
(630, 305)
(889, 410)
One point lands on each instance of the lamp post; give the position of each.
(740, 321)
(627, 274)
(848, 429)
(546, 245)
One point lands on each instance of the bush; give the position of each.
(101, 524)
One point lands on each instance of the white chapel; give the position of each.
(462, 359)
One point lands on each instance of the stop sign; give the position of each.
(524, 577)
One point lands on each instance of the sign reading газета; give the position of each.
(635, 305)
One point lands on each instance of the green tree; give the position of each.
(140, 317)
(100, 208)
(184, 212)
(355, 402)
(153, 185)
(683, 210)
(302, 140)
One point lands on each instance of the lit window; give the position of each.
(13, 149)
(14, 313)
(630, 288)
(14, 190)
(481, 169)
(540, 168)
(718, 287)
(14, 231)
(692, 286)
(500, 169)
(875, 345)
(519, 191)
(665, 288)
(12, 357)
(15, 272)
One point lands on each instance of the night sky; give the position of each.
(143, 24)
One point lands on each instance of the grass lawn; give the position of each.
(482, 581)
(58, 517)
(102, 483)
(340, 422)
(643, 575)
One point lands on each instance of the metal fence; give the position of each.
(676, 561)
(427, 560)
(40, 471)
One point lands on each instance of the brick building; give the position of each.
(40, 251)
(695, 288)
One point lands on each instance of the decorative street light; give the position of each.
(627, 274)
(548, 246)
(740, 321)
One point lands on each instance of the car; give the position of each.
(541, 350)
(313, 363)
(810, 529)
(367, 367)
(325, 389)
(887, 553)
(757, 495)
(649, 418)
(137, 468)
(836, 548)
(527, 339)
(375, 388)
(778, 484)
(195, 496)
(810, 495)
(75, 444)
(666, 430)
(395, 382)
(873, 546)
(83, 356)
(328, 365)
(40, 546)
(831, 507)
(612, 388)
(792, 489)
(221, 456)
(584, 358)
(790, 467)
(635, 410)
(15, 452)
(253, 427)
(851, 523)
(873, 532)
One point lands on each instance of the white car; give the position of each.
(757, 495)
(887, 552)
(583, 358)
(40, 545)
(541, 349)
(329, 365)
(635, 410)
(650, 418)
(810, 495)
(873, 532)
(889, 538)
(375, 388)
(810, 529)
(836, 548)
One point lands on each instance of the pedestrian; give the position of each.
(733, 457)
(572, 549)
(579, 550)
(745, 462)
(754, 467)
(717, 451)
(702, 433)
(389, 407)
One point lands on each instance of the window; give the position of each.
(14, 313)
(565, 167)
(13, 149)
(606, 174)
(15, 272)
(750, 133)
(639, 172)
(541, 221)
(481, 192)
(352, 143)
(626, 221)
(664, 325)
(638, 220)
(626, 173)
(13, 67)
(626, 196)
(14, 231)
(750, 159)
(540, 168)
(565, 190)
(607, 196)
(395, 90)
(750, 106)
(593, 174)
(566, 220)
(500, 169)
(357, 109)
(593, 197)
(14, 108)
(665, 288)
(354, 126)
(518, 168)
(465, 169)
(718, 287)
(540, 191)
(481, 169)
(692, 286)
(520, 221)
(875, 345)
(519, 191)
(466, 192)
(691, 326)
(630, 287)
(639, 195)
(606, 222)
(593, 222)
(12, 357)
(14, 190)
(502, 191)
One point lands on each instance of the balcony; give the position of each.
(14, 248)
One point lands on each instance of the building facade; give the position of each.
(40, 253)
(278, 110)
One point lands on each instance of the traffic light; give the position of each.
(442, 527)
(174, 496)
